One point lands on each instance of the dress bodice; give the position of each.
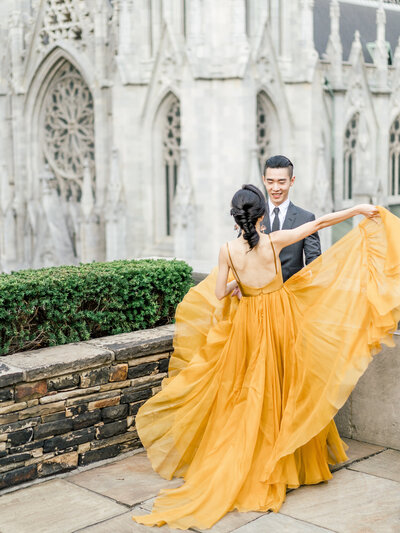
(275, 284)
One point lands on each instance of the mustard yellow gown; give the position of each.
(247, 410)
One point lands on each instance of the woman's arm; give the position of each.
(222, 288)
(286, 237)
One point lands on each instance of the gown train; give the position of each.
(247, 409)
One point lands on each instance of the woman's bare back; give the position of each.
(255, 268)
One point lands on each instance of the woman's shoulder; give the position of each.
(233, 243)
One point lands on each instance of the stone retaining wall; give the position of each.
(71, 405)
(372, 412)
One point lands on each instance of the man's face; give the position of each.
(278, 182)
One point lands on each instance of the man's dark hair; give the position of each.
(279, 161)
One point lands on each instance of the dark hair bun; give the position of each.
(248, 205)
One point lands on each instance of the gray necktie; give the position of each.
(275, 223)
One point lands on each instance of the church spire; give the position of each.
(334, 49)
(381, 51)
(356, 48)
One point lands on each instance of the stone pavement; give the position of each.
(362, 497)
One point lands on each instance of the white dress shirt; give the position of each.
(282, 211)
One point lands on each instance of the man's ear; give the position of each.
(292, 180)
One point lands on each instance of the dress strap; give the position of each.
(273, 249)
(232, 266)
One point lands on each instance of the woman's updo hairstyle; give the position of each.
(248, 205)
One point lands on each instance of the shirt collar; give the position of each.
(282, 208)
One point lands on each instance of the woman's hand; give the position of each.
(369, 211)
(231, 286)
(236, 292)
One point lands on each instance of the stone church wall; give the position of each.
(127, 125)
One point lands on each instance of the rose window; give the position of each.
(69, 125)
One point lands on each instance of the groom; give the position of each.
(282, 214)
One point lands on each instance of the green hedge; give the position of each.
(52, 306)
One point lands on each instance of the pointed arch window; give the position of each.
(171, 157)
(349, 155)
(263, 129)
(68, 130)
(394, 158)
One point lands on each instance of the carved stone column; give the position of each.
(183, 213)
(194, 32)
(126, 34)
(115, 215)
(100, 34)
(364, 187)
(134, 35)
(16, 36)
(7, 224)
(322, 193)
(56, 246)
(89, 220)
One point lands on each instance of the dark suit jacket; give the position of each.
(292, 257)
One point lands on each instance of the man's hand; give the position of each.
(236, 292)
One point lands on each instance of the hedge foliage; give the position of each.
(57, 305)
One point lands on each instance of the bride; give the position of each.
(247, 409)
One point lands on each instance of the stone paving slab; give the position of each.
(351, 502)
(55, 506)
(230, 522)
(278, 523)
(128, 481)
(385, 464)
(125, 524)
(357, 450)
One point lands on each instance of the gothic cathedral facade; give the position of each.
(127, 125)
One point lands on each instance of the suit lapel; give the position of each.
(266, 220)
(290, 217)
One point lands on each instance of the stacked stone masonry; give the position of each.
(71, 405)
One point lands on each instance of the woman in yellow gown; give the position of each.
(247, 409)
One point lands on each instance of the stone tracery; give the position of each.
(349, 156)
(263, 129)
(68, 126)
(62, 20)
(171, 157)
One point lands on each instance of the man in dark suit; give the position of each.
(281, 213)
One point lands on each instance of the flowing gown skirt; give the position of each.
(253, 386)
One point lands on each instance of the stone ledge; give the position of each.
(10, 375)
(59, 360)
(138, 343)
